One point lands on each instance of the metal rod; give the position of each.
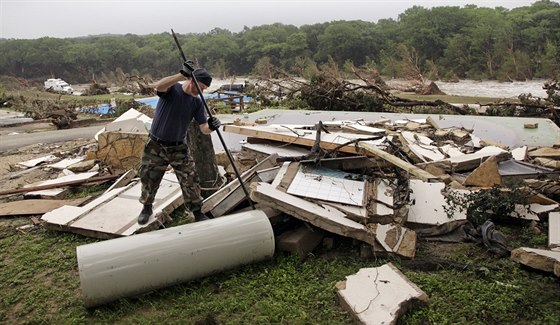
(230, 157)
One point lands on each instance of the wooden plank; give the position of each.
(232, 199)
(115, 214)
(329, 219)
(62, 184)
(307, 138)
(413, 170)
(213, 200)
(554, 230)
(33, 207)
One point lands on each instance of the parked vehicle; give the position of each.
(59, 86)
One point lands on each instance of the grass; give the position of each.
(41, 285)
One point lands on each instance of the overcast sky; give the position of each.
(72, 18)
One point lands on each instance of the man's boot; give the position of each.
(145, 214)
(199, 216)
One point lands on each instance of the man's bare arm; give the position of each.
(165, 83)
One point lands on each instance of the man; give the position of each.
(177, 106)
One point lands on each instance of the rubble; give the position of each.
(387, 185)
(379, 295)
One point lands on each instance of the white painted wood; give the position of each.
(130, 121)
(34, 162)
(115, 213)
(281, 174)
(519, 153)
(554, 230)
(379, 295)
(428, 204)
(56, 191)
(66, 162)
(384, 193)
(234, 189)
(451, 150)
(314, 185)
(324, 217)
(281, 151)
(540, 259)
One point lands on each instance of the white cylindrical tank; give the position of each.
(128, 266)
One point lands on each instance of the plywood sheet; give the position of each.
(33, 207)
(115, 213)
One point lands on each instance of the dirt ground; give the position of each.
(13, 176)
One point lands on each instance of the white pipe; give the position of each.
(128, 266)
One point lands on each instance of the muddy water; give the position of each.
(493, 88)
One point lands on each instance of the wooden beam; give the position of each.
(63, 184)
(413, 170)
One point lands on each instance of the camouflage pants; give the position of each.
(155, 160)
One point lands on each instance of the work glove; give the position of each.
(188, 68)
(214, 123)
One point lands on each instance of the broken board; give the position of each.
(115, 213)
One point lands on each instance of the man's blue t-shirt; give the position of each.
(174, 112)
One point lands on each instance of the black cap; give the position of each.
(203, 76)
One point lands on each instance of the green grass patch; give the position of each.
(41, 285)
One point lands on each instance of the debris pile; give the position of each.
(386, 184)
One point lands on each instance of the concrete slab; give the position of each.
(540, 259)
(379, 295)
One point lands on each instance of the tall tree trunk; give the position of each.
(202, 151)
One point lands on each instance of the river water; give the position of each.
(493, 88)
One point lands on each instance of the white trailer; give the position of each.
(58, 85)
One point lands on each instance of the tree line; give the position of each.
(448, 43)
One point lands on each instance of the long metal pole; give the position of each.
(217, 131)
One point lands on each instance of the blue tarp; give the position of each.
(152, 101)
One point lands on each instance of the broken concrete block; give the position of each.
(531, 125)
(300, 241)
(379, 295)
(395, 239)
(485, 175)
(540, 259)
(121, 151)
